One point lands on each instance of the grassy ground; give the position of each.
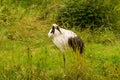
(26, 52)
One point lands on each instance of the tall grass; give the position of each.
(26, 52)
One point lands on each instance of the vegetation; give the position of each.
(26, 52)
(89, 14)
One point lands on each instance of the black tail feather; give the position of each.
(76, 44)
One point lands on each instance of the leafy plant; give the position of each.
(88, 14)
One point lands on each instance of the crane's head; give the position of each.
(55, 30)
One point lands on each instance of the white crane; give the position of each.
(65, 39)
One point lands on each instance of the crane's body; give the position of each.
(65, 39)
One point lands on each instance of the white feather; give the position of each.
(61, 39)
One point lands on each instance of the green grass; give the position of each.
(26, 52)
(33, 56)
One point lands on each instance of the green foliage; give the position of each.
(88, 14)
(26, 52)
(10, 14)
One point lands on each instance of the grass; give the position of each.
(26, 52)
(33, 56)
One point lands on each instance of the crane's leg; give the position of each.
(64, 60)
(64, 64)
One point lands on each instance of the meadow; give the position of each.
(26, 52)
